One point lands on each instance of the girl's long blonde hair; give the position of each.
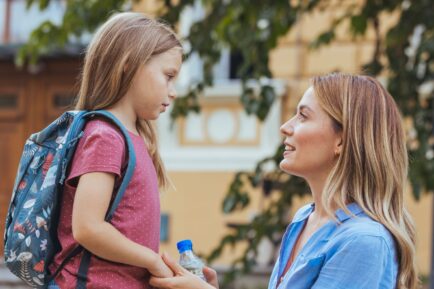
(372, 168)
(126, 40)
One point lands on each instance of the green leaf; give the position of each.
(323, 39)
(358, 25)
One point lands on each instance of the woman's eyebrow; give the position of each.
(304, 107)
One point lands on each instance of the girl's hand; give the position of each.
(184, 279)
(160, 269)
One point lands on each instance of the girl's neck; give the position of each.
(126, 117)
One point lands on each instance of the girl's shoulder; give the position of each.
(102, 128)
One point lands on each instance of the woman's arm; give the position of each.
(184, 279)
(91, 203)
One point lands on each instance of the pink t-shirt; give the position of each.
(102, 149)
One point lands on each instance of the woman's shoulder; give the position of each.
(364, 230)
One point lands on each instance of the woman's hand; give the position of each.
(184, 279)
(211, 276)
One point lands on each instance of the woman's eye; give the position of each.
(301, 116)
(169, 77)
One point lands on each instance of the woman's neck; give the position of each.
(317, 188)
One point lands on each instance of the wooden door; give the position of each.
(12, 133)
(28, 103)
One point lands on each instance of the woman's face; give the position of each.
(311, 143)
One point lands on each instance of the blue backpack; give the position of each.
(30, 240)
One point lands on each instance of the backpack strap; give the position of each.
(85, 260)
(131, 159)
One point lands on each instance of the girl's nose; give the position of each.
(172, 94)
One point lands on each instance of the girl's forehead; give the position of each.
(173, 54)
(171, 57)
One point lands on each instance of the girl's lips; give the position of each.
(163, 107)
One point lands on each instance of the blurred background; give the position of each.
(247, 65)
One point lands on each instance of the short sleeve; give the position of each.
(101, 149)
(360, 264)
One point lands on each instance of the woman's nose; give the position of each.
(287, 128)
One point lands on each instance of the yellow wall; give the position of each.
(421, 212)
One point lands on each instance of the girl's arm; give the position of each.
(184, 279)
(91, 203)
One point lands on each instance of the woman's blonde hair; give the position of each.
(372, 168)
(126, 40)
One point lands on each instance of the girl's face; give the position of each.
(311, 143)
(153, 87)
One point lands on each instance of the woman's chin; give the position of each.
(287, 167)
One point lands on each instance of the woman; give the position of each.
(348, 143)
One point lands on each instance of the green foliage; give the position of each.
(80, 16)
(251, 30)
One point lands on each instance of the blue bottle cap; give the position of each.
(184, 245)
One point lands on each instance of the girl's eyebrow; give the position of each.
(173, 70)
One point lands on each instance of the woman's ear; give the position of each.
(338, 146)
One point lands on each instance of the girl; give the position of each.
(348, 143)
(129, 70)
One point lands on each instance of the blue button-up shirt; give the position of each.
(358, 253)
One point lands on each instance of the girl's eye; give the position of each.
(169, 77)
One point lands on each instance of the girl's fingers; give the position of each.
(160, 282)
(173, 265)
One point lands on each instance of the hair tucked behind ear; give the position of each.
(372, 168)
(126, 40)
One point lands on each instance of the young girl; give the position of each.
(348, 143)
(129, 70)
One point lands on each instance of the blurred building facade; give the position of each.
(201, 152)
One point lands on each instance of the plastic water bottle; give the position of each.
(188, 259)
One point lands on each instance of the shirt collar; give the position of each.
(340, 214)
(354, 210)
(303, 213)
